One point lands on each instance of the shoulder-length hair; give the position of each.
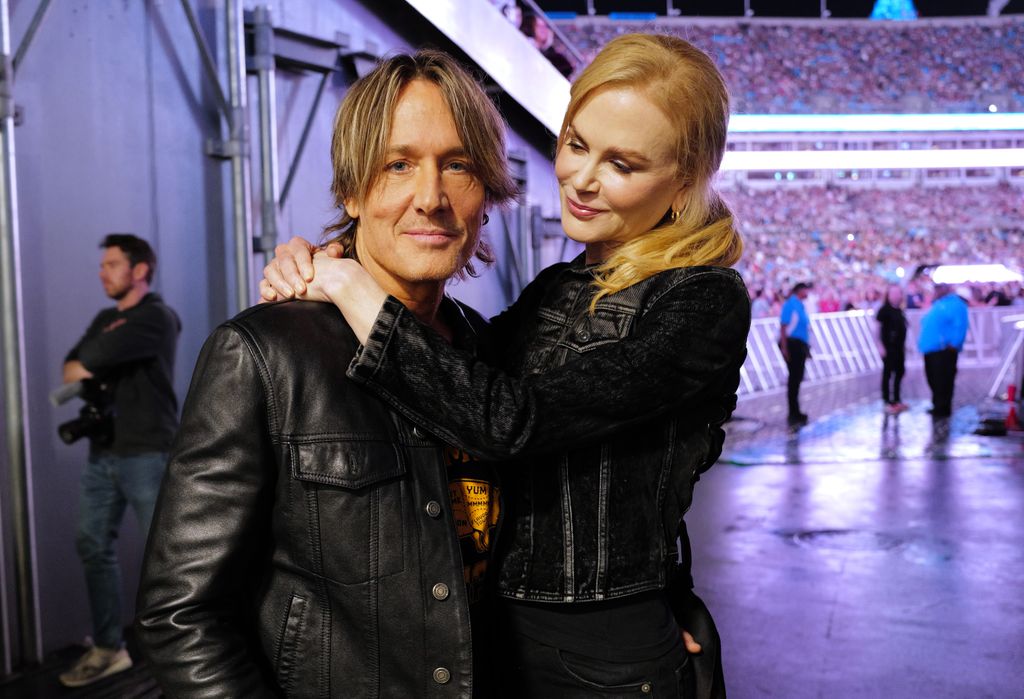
(683, 82)
(362, 128)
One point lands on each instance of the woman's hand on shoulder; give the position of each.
(346, 283)
(288, 274)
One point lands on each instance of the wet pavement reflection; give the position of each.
(865, 555)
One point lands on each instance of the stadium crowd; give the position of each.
(833, 66)
(852, 242)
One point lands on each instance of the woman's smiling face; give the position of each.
(616, 171)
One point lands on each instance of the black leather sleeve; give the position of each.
(686, 349)
(210, 532)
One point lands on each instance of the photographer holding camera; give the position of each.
(125, 362)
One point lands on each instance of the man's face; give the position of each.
(420, 221)
(116, 273)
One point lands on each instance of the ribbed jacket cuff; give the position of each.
(370, 356)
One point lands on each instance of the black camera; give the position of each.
(95, 420)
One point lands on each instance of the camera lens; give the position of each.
(72, 430)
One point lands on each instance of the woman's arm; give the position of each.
(210, 534)
(685, 352)
(293, 273)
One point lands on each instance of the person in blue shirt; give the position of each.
(794, 341)
(943, 330)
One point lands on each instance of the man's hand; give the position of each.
(784, 348)
(287, 275)
(75, 371)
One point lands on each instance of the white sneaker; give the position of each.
(95, 664)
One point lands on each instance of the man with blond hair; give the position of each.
(308, 540)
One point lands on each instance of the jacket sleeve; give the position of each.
(685, 352)
(93, 329)
(140, 336)
(211, 534)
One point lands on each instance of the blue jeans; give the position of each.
(109, 484)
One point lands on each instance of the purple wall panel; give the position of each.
(116, 114)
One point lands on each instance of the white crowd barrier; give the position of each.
(843, 345)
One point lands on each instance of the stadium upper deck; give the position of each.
(847, 66)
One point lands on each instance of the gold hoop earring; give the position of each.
(487, 219)
(673, 216)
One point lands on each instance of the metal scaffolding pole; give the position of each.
(241, 187)
(15, 398)
(30, 33)
(209, 64)
(263, 62)
(306, 128)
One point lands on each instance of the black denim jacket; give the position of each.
(608, 418)
(302, 544)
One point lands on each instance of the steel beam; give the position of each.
(15, 398)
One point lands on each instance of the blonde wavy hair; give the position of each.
(683, 82)
(362, 127)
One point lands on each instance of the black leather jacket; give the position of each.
(609, 418)
(302, 544)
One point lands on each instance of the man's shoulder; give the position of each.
(294, 323)
(153, 305)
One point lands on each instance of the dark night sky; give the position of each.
(777, 8)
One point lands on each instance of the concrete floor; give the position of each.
(865, 556)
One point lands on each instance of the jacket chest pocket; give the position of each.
(604, 326)
(352, 499)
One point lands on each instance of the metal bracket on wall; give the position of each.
(226, 150)
(268, 49)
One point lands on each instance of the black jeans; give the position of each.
(798, 353)
(892, 374)
(531, 670)
(940, 370)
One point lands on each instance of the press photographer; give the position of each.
(128, 350)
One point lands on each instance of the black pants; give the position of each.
(798, 352)
(940, 370)
(892, 374)
(533, 670)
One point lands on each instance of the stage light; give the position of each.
(961, 274)
(874, 123)
(872, 159)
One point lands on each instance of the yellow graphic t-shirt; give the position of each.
(476, 506)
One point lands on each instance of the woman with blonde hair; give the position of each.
(611, 377)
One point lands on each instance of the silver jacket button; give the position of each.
(442, 675)
(417, 432)
(440, 591)
(434, 509)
